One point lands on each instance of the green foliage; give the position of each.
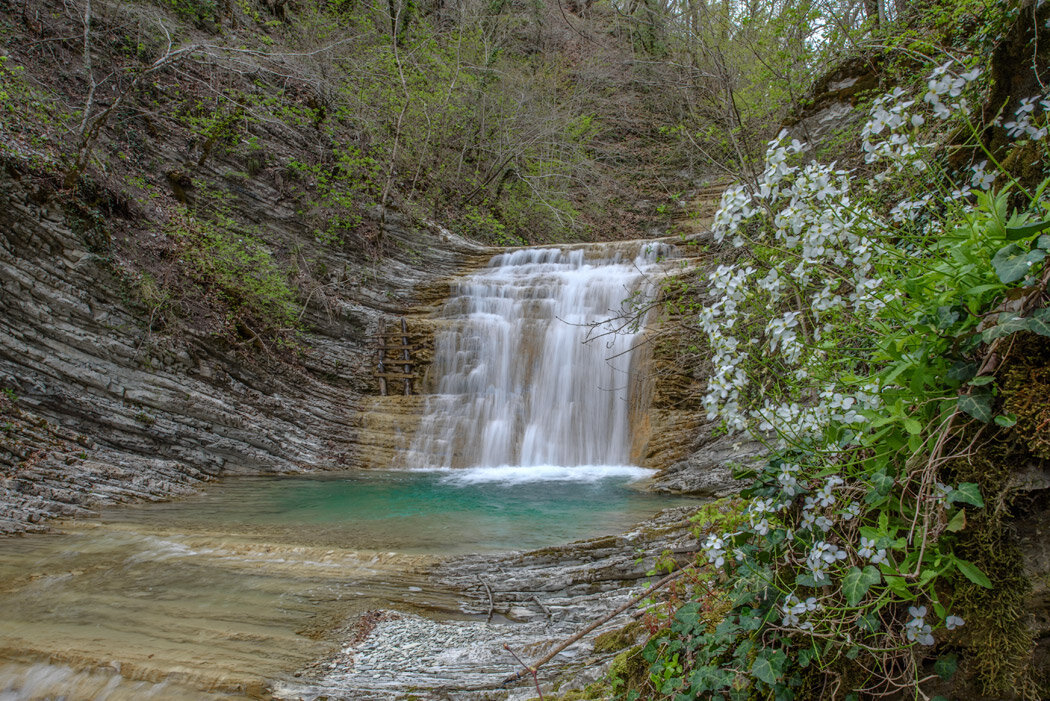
(197, 11)
(865, 538)
(30, 120)
(344, 186)
(238, 268)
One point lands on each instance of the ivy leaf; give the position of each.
(857, 582)
(1040, 322)
(973, 573)
(962, 371)
(807, 580)
(1012, 262)
(979, 406)
(967, 493)
(1016, 233)
(881, 481)
(1006, 325)
(769, 666)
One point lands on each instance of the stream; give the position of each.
(228, 591)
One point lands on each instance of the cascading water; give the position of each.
(534, 365)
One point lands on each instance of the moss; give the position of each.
(629, 672)
(1026, 388)
(614, 640)
(998, 642)
(592, 692)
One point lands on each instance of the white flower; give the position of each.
(868, 551)
(917, 630)
(980, 178)
(714, 549)
(953, 622)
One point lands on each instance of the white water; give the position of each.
(535, 366)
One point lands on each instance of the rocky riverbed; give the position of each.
(516, 607)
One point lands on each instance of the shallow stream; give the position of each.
(226, 592)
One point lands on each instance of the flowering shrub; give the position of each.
(857, 331)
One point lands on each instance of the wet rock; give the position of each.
(527, 602)
(708, 470)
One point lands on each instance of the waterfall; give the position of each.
(534, 359)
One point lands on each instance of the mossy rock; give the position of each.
(618, 639)
(1026, 388)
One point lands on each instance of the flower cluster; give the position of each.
(794, 608)
(831, 259)
(821, 556)
(917, 629)
(870, 552)
(1023, 125)
(715, 550)
(941, 84)
(820, 278)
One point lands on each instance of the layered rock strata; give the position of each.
(136, 414)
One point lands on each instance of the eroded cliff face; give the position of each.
(101, 409)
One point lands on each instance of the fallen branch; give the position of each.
(528, 670)
(531, 669)
(492, 603)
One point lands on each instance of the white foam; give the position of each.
(521, 474)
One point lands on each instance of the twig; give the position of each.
(492, 604)
(529, 670)
(546, 610)
(569, 641)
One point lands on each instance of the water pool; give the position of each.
(216, 595)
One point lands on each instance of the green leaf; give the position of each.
(869, 622)
(807, 580)
(899, 587)
(912, 426)
(1012, 262)
(857, 582)
(958, 522)
(1043, 242)
(945, 667)
(1016, 233)
(769, 666)
(1040, 322)
(967, 493)
(973, 573)
(979, 406)
(962, 371)
(982, 380)
(882, 482)
(1006, 420)
(1006, 325)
